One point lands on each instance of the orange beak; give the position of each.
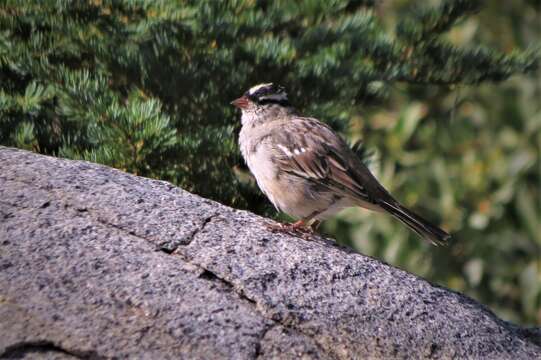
(241, 103)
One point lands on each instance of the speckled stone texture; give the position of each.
(97, 263)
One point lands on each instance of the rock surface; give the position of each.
(97, 263)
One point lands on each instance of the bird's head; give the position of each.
(262, 95)
(262, 99)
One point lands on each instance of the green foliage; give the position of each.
(144, 86)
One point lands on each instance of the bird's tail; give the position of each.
(422, 227)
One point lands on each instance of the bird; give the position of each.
(307, 170)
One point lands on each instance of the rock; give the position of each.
(97, 263)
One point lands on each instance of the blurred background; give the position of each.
(444, 95)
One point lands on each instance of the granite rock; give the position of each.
(96, 263)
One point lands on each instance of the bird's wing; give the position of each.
(323, 157)
(310, 149)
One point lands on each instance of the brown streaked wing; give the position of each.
(317, 162)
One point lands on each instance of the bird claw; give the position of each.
(296, 229)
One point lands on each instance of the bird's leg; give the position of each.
(297, 226)
(304, 226)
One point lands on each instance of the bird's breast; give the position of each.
(259, 158)
(258, 155)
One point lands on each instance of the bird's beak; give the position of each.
(241, 102)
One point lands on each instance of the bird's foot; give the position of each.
(297, 228)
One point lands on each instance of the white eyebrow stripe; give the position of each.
(285, 150)
(257, 87)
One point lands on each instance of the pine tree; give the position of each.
(144, 86)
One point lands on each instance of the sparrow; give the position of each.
(307, 170)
